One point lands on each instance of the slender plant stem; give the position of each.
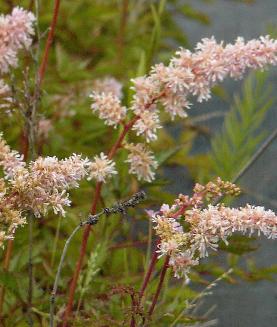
(49, 41)
(149, 272)
(27, 144)
(95, 201)
(159, 287)
(149, 243)
(8, 253)
(155, 258)
(6, 265)
(57, 278)
(117, 145)
(79, 264)
(30, 271)
(153, 262)
(93, 218)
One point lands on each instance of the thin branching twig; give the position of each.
(92, 220)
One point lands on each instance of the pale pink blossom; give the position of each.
(195, 73)
(43, 183)
(142, 162)
(146, 90)
(204, 228)
(147, 125)
(10, 159)
(108, 108)
(5, 96)
(16, 31)
(101, 168)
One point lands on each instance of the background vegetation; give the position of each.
(95, 39)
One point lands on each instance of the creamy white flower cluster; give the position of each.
(108, 107)
(187, 231)
(16, 31)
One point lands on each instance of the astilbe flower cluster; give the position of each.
(188, 229)
(36, 187)
(189, 74)
(16, 31)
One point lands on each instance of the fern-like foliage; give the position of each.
(242, 129)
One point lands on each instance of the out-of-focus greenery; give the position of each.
(233, 147)
(122, 39)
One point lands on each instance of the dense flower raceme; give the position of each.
(186, 237)
(43, 183)
(188, 74)
(36, 187)
(16, 31)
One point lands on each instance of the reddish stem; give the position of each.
(78, 267)
(79, 264)
(49, 41)
(152, 267)
(155, 258)
(159, 288)
(6, 265)
(97, 196)
(149, 272)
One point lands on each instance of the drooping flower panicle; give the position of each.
(189, 74)
(187, 237)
